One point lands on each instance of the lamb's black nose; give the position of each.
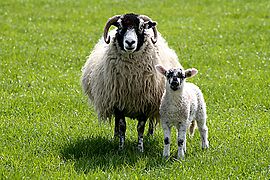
(174, 83)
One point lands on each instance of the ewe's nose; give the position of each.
(130, 43)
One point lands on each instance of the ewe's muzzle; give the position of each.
(130, 40)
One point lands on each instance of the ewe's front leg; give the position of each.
(122, 133)
(181, 141)
(120, 128)
(140, 130)
(167, 139)
(116, 128)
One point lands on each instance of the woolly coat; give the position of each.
(129, 82)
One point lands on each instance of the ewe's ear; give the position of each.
(161, 69)
(149, 24)
(190, 72)
(117, 23)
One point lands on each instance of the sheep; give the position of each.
(119, 75)
(182, 103)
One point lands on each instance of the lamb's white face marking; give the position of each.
(130, 40)
(175, 78)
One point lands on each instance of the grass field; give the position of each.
(48, 130)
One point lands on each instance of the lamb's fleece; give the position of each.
(188, 107)
(129, 82)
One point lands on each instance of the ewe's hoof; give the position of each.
(140, 149)
(121, 148)
(150, 133)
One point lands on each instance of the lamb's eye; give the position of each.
(169, 74)
(180, 75)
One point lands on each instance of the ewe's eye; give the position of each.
(121, 31)
(120, 28)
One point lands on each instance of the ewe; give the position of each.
(120, 77)
(182, 103)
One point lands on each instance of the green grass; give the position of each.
(48, 131)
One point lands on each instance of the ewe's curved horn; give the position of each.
(107, 27)
(146, 18)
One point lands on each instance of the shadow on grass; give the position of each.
(101, 153)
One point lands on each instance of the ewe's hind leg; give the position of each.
(140, 130)
(151, 127)
(120, 127)
(181, 141)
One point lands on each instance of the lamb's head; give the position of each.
(176, 76)
(130, 32)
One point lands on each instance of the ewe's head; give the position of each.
(176, 76)
(130, 31)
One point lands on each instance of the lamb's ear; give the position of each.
(190, 72)
(161, 69)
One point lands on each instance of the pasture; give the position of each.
(49, 131)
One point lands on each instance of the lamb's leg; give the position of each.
(192, 128)
(140, 130)
(181, 141)
(167, 138)
(201, 123)
(120, 127)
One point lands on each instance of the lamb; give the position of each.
(119, 76)
(182, 103)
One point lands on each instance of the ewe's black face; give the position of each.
(175, 78)
(131, 32)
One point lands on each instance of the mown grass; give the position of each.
(47, 129)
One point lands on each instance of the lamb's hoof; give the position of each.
(205, 145)
(181, 158)
(166, 157)
(181, 155)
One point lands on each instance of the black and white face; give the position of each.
(176, 76)
(131, 32)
